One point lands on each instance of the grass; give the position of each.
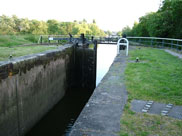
(157, 77)
(139, 124)
(8, 45)
(22, 51)
(14, 40)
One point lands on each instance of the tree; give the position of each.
(53, 26)
(166, 22)
(24, 26)
(126, 30)
(7, 25)
(38, 27)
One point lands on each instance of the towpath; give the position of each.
(102, 114)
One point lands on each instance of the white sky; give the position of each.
(110, 15)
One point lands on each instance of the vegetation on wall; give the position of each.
(166, 22)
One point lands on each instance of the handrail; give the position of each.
(157, 38)
(157, 42)
(143, 41)
(126, 43)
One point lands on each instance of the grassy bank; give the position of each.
(141, 124)
(157, 77)
(14, 40)
(5, 52)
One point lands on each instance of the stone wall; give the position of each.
(30, 86)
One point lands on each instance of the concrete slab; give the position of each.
(137, 105)
(176, 112)
(77, 132)
(95, 117)
(157, 108)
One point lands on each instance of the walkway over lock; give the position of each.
(141, 41)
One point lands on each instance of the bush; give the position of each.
(32, 38)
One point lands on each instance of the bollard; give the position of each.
(82, 38)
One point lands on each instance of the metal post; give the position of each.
(92, 38)
(171, 44)
(151, 42)
(41, 39)
(83, 38)
(70, 39)
(163, 43)
(49, 40)
(139, 41)
(177, 45)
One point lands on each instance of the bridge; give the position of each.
(155, 42)
(77, 38)
(143, 41)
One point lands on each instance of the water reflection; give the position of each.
(105, 56)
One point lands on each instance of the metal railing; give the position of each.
(157, 42)
(140, 41)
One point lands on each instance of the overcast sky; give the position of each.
(109, 14)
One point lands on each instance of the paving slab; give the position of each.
(137, 105)
(157, 108)
(176, 112)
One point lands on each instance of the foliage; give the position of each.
(15, 25)
(31, 38)
(166, 22)
(126, 30)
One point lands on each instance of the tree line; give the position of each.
(166, 22)
(15, 25)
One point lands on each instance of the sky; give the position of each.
(110, 15)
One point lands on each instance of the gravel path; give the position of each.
(174, 53)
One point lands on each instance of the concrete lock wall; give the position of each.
(30, 86)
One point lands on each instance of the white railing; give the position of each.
(125, 42)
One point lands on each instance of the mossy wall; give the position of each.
(30, 86)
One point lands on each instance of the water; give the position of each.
(105, 56)
(59, 120)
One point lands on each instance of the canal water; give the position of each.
(105, 56)
(59, 120)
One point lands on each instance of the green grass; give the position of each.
(22, 51)
(14, 40)
(158, 77)
(139, 124)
